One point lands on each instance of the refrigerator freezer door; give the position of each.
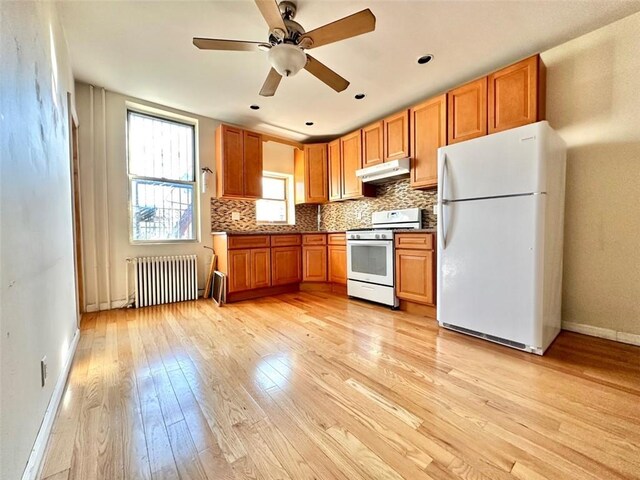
(505, 163)
(489, 278)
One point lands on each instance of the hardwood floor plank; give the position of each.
(311, 385)
(185, 453)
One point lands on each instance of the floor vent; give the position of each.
(160, 280)
(486, 336)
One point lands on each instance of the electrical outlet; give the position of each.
(43, 371)
(435, 209)
(235, 215)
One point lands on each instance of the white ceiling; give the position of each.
(144, 49)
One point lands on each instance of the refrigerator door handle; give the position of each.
(442, 232)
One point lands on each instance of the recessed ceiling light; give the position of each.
(254, 107)
(359, 96)
(425, 59)
(308, 124)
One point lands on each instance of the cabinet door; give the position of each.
(316, 183)
(252, 165)
(351, 150)
(428, 133)
(230, 162)
(337, 264)
(415, 275)
(299, 176)
(372, 144)
(314, 264)
(335, 171)
(467, 111)
(260, 267)
(513, 95)
(286, 265)
(239, 270)
(396, 136)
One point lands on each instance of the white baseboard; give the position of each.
(34, 465)
(608, 333)
(95, 307)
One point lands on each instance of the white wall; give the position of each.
(277, 157)
(104, 187)
(37, 293)
(593, 100)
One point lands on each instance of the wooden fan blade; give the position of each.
(271, 13)
(270, 85)
(217, 44)
(347, 27)
(325, 74)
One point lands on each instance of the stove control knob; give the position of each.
(378, 235)
(357, 236)
(383, 235)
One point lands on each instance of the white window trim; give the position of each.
(171, 117)
(289, 196)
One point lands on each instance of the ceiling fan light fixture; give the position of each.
(287, 59)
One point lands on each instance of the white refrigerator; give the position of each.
(500, 235)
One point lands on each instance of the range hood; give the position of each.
(385, 172)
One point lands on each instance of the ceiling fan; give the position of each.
(288, 40)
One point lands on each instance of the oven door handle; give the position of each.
(373, 243)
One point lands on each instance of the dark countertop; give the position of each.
(306, 232)
(240, 232)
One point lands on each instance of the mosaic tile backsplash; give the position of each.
(390, 196)
(336, 216)
(306, 218)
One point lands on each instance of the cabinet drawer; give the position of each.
(285, 240)
(337, 238)
(415, 241)
(248, 241)
(314, 239)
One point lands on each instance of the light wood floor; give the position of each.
(315, 386)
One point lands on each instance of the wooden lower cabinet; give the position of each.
(260, 267)
(239, 275)
(286, 265)
(337, 264)
(415, 268)
(314, 263)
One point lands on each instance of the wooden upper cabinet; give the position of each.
(517, 95)
(238, 163)
(372, 144)
(467, 111)
(311, 175)
(286, 265)
(351, 152)
(428, 133)
(252, 165)
(229, 161)
(396, 136)
(335, 170)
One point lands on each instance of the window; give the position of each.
(273, 207)
(162, 181)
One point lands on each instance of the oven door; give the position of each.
(370, 261)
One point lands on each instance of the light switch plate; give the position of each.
(435, 209)
(235, 215)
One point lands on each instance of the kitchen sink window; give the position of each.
(162, 180)
(275, 204)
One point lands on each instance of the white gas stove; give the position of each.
(371, 258)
